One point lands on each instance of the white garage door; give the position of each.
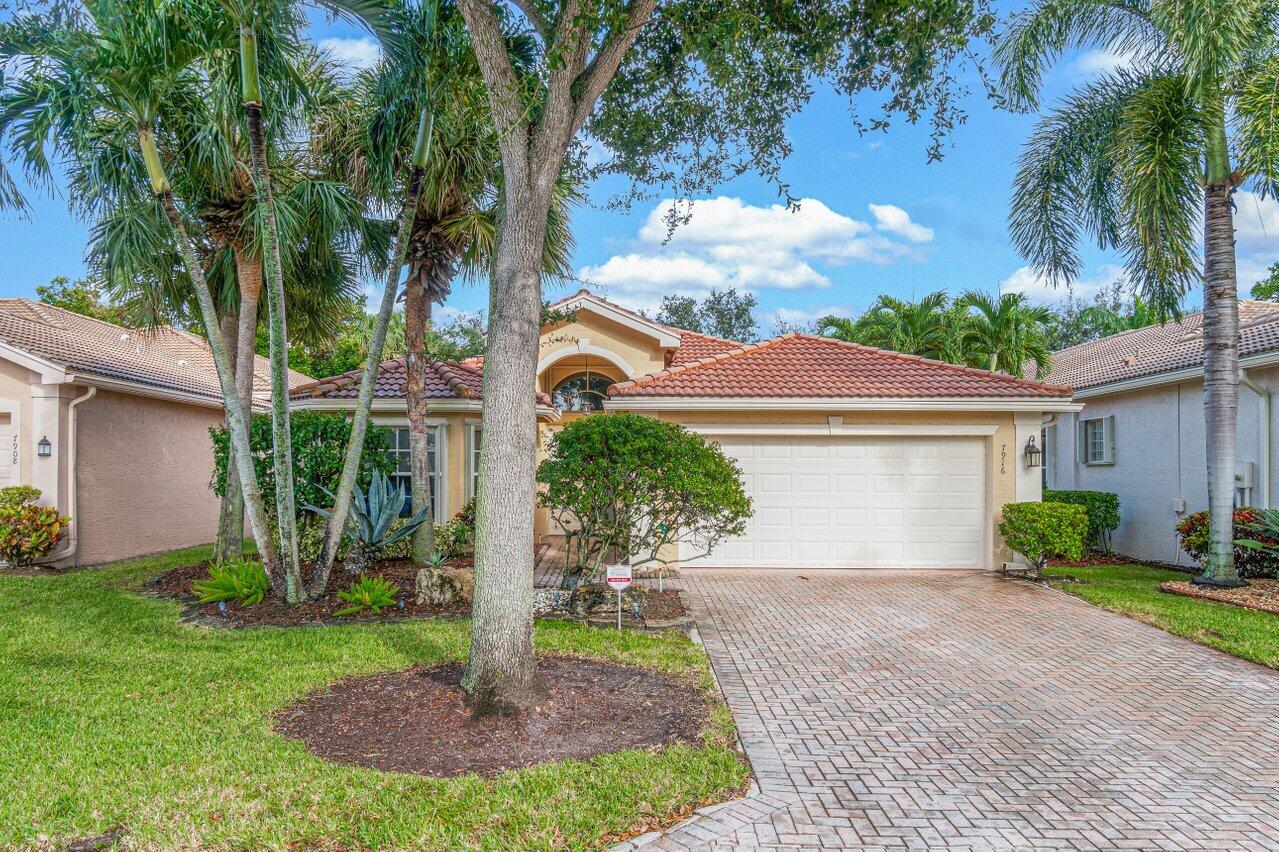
(875, 502)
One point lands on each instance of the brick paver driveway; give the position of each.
(943, 709)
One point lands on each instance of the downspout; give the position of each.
(1263, 433)
(73, 537)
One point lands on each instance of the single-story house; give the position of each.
(853, 456)
(112, 425)
(1141, 432)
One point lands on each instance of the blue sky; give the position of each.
(877, 218)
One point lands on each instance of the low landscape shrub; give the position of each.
(375, 523)
(367, 593)
(1103, 513)
(29, 532)
(1251, 562)
(17, 495)
(1043, 531)
(241, 580)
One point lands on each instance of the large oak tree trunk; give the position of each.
(501, 673)
(417, 320)
(1221, 380)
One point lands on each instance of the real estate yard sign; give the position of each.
(618, 578)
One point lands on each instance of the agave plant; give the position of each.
(372, 521)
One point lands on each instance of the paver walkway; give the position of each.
(889, 709)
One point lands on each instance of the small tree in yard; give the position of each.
(638, 487)
(1040, 531)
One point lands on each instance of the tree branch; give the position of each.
(536, 18)
(592, 82)
(500, 79)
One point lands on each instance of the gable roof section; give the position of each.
(1150, 351)
(163, 357)
(666, 336)
(694, 346)
(444, 380)
(806, 366)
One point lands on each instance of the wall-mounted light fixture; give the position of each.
(1032, 453)
(44, 449)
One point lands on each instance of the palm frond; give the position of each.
(1257, 125)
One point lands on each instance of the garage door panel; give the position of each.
(860, 502)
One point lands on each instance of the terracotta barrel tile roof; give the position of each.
(1160, 348)
(163, 357)
(694, 346)
(444, 380)
(804, 365)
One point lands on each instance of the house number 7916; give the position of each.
(1003, 457)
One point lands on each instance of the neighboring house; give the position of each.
(1141, 432)
(112, 425)
(853, 456)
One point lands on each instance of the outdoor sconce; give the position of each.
(44, 449)
(1032, 453)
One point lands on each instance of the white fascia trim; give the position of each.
(666, 339)
(138, 389)
(702, 403)
(1265, 359)
(835, 428)
(585, 347)
(50, 373)
(400, 406)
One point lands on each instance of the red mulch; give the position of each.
(1091, 560)
(1261, 595)
(177, 584)
(417, 720)
(665, 605)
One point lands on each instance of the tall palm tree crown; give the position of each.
(1144, 161)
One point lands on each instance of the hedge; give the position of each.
(1102, 508)
(1040, 531)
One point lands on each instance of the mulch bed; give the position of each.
(417, 720)
(1261, 595)
(177, 584)
(1091, 560)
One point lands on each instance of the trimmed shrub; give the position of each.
(1250, 562)
(319, 445)
(18, 495)
(1043, 531)
(241, 580)
(1103, 513)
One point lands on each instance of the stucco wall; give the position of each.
(455, 461)
(143, 469)
(636, 353)
(1160, 459)
(15, 399)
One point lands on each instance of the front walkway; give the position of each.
(964, 710)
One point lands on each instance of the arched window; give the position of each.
(581, 392)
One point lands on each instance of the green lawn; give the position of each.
(114, 713)
(1134, 591)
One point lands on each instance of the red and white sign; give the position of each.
(618, 576)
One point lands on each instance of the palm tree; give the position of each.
(1005, 333)
(455, 220)
(1105, 320)
(1138, 157)
(94, 77)
(925, 327)
(321, 227)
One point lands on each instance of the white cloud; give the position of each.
(1256, 237)
(894, 220)
(356, 53)
(807, 316)
(729, 243)
(1095, 63)
(1036, 288)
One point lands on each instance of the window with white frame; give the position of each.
(1097, 440)
(402, 475)
(473, 432)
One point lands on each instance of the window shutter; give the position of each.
(1108, 439)
(1081, 442)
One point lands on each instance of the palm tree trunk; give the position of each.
(417, 319)
(501, 672)
(1221, 361)
(236, 416)
(368, 379)
(230, 541)
(248, 274)
(281, 438)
